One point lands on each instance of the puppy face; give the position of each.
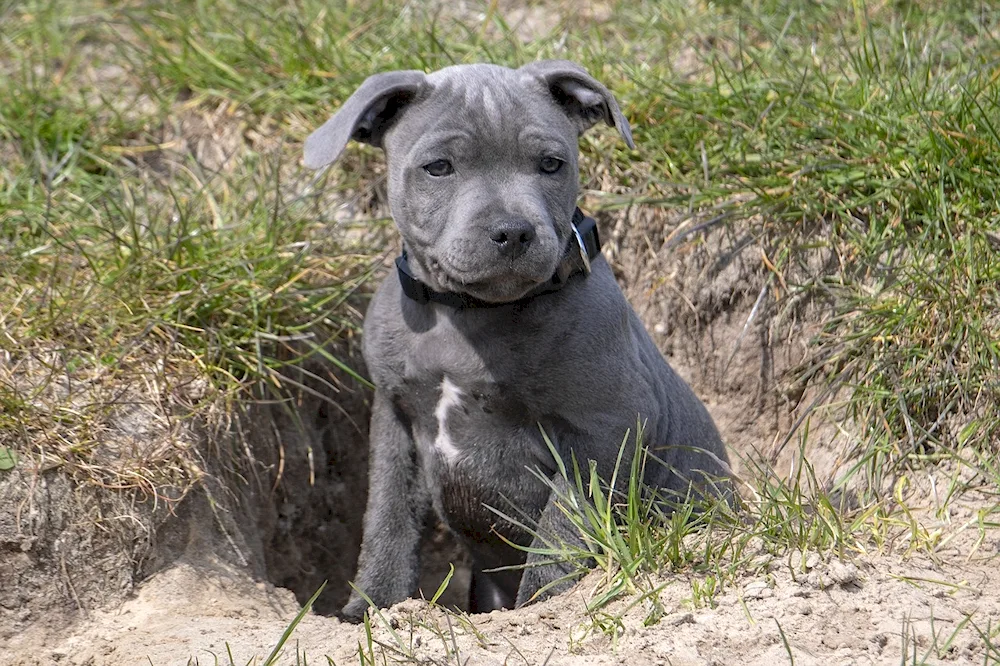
(483, 182)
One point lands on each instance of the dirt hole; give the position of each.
(305, 527)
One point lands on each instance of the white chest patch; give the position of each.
(451, 396)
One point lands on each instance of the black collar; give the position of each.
(584, 247)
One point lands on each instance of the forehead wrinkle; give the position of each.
(488, 109)
(537, 135)
(486, 97)
(437, 143)
(491, 107)
(434, 137)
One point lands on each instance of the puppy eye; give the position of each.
(439, 168)
(550, 164)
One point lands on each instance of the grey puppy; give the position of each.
(496, 328)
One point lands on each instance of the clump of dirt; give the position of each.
(62, 546)
(276, 495)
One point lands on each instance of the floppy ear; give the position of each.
(584, 98)
(365, 116)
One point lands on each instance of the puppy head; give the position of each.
(482, 166)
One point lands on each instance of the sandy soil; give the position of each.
(869, 611)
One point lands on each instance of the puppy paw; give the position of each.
(354, 610)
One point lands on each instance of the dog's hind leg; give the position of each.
(487, 592)
(557, 555)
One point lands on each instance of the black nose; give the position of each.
(512, 237)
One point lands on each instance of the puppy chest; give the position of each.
(477, 444)
(453, 422)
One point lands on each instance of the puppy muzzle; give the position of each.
(584, 246)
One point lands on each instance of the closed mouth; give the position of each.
(512, 288)
(505, 275)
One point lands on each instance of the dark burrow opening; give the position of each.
(310, 522)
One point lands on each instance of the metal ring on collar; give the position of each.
(582, 247)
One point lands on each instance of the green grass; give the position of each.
(156, 228)
(638, 536)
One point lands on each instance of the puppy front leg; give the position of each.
(555, 532)
(398, 504)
